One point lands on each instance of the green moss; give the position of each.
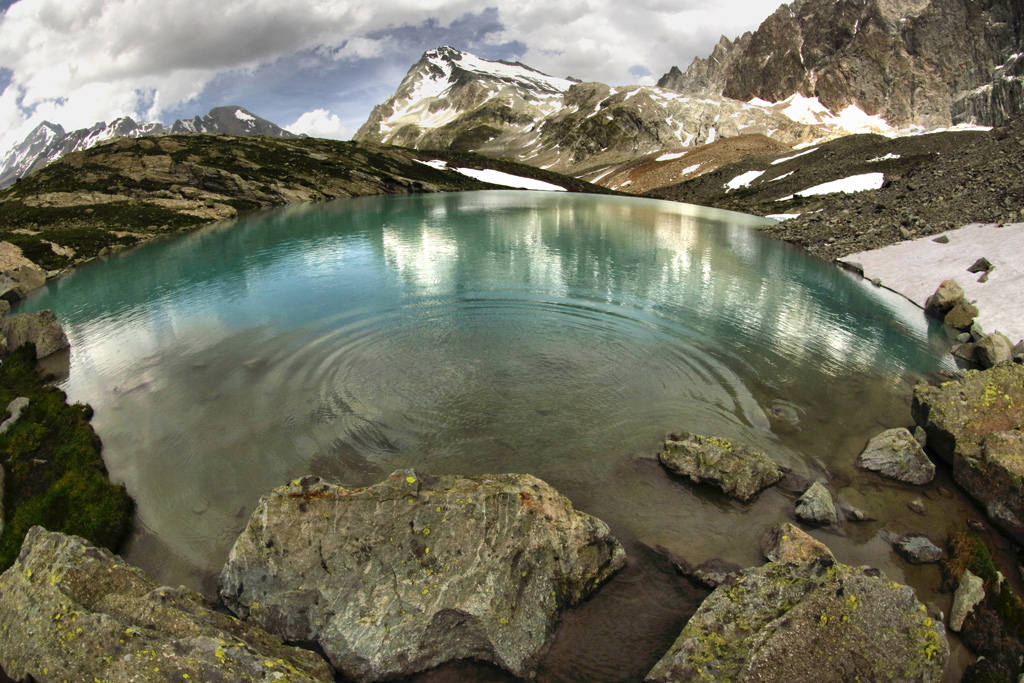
(55, 474)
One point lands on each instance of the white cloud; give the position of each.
(320, 123)
(80, 62)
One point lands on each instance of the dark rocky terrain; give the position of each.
(940, 181)
(902, 60)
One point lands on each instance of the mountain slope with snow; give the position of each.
(49, 142)
(454, 100)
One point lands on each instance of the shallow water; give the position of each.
(560, 335)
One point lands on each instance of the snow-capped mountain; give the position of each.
(454, 100)
(49, 142)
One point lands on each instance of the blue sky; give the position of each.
(317, 66)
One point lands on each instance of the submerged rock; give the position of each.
(896, 454)
(73, 612)
(711, 573)
(738, 470)
(816, 506)
(807, 621)
(42, 329)
(417, 570)
(974, 424)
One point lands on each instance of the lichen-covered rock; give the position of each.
(969, 593)
(816, 506)
(962, 315)
(896, 454)
(41, 328)
(993, 349)
(72, 612)
(945, 297)
(807, 621)
(789, 543)
(974, 423)
(738, 470)
(917, 549)
(417, 570)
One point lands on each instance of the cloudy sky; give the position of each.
(317, 66)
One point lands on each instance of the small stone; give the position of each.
(980, 266)
(917, 506)
(961, 316)
(975, 525)
(816, 506)
(942, 239)
(976, 332)
(969, 593)
(965, 351)
(897, 455)
(964, 337)
(917, 549)
(921, 436)
(994, 349)
(984, 277)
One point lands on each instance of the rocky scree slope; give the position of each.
(455, 100)
(928, 184)
(130, 190)
(49, 142)
(912, 62)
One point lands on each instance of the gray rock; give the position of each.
(942, 239)
(896, 454)
(417, 570)
(977, 332)
(921, 436)
(788, 543)
(711, 573)
(17, 282)
(980, 266)
(994, 349)
(945, 297)
(961, 316)
(74, 612)
(816, 506)
(918, 507)
(14, 408)
(738, 470)
(1018, 351)
(974, 425)
(42, 329)
(966, 351)
(965, 337)
(917, 549)
(782, 622)
(968, 594)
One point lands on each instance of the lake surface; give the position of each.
(560, 335)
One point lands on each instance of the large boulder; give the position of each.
(974, 423)
(807, 621)
(417, 570)
(738, 470)
(994, 349)
(896, 454)
(42, 329)
(18, 275)
(70, 611)
(948, 295)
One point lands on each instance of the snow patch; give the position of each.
(784, 175)
(743, 179)
(669, 157)
(242, 116)
(888, 156)
(782, 216)
(488, 175)
(794, 156)
(854, 183)
(690, 169)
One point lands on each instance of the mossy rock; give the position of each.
(738, 470)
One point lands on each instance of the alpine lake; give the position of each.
(561, 335)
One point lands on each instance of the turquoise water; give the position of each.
(561, 335)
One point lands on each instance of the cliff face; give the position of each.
(913, 62)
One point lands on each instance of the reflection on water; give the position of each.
(490, 332)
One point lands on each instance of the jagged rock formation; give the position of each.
(417, 570)
(73, 612)
(454, 100)
(912, 62)
(49, 142)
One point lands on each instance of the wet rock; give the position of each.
(781, 622)
(945, 297)
(816, 506)
(974, 424)
(994, 349)
(969, 593)
(788, 543)
(416, 570)
(980, 266)
(917, 549)
(917, 506)
(14, 408)
(962, 315)
(896, 454)
(79, 613)
(711, 573)
(42, 329)
(738, 470)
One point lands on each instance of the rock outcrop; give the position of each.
(42, 329)
(738, 470)
(417, 570)
(804, 621)
(18, 275)
(974, 423)
(72, 612)
(896, 454)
